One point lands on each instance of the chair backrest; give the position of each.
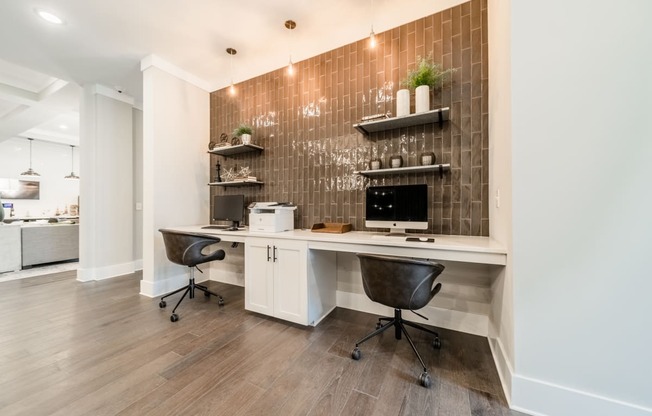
(185, 248)
(399, 282)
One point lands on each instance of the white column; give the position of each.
(176, 131)
(501, 319)
(106, 185)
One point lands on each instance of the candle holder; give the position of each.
(427, 158)
(395, 161)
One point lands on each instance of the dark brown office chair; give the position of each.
(185, 248)
(401, 283)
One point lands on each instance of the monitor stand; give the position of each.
(234, 226)
(396, 232)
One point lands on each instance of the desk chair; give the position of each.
(400, 283)
(185, 248)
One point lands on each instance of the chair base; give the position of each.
(189, 289)
(399, 329)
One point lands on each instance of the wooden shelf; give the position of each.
(408, 169)
(236, 183)
(433, 116)
(236, 149)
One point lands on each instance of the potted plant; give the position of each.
(243, 131)
(425, 76)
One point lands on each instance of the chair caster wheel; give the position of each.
(378, 325)
(220, 301)
(162, 304)
(174, 317)
(436, 344)
(355, 354)
(425, 380)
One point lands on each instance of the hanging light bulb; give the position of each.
(372, 35)
(30, 171)
(290, 25)
(290, 67)
(72, 164)
(231, 52)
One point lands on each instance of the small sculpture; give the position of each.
(229, 175)
(244, 172)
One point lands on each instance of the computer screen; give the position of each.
(229, 208)
(397, 207)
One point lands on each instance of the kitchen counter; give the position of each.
(10, 247)
(49, 243)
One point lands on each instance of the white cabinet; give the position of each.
(283, 279)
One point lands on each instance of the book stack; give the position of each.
(246, 179)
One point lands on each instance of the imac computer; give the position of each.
(229, 208)
(397, 207)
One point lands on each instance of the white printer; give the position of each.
(271, 217)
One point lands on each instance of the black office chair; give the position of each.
(401, 283)
(185, 248)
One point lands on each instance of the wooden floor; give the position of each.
(99, 348)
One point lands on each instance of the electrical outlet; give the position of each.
(139, 206)
(497, 198)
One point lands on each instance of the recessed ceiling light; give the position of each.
(49, 16)
(63, 126)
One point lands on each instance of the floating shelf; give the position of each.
(408, 169)
(236, 183)
(433, 116)
(236, 149)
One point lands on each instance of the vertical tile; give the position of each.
(311, 150)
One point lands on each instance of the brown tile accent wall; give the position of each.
(305, 123)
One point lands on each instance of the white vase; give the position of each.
(246, 138)
(422, 99)
(402, 102)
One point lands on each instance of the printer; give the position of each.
(271, 217)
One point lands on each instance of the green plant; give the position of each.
(242, 129)
(426, 72)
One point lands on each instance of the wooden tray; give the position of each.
(331, 227)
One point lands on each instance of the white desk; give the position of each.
(305, 289)
(480, 250)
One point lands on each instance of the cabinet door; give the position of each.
(290, 281)
(259, 276)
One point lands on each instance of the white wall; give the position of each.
(175, 168)
(106, 198)
(52, 162)
(582, 228)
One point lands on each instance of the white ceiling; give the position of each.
(102, 42)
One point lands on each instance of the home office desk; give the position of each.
(293, 275)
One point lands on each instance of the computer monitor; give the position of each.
(229, 208)
(397, 207)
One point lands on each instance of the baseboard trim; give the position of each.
(503, 366)
(101, 273)
(442, 318)
(161, 287)
(138, 264)
(540, 398)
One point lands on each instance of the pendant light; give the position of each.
(372, 35)
(72, 164)
(290, 25)
(231, 52)
(30, 171)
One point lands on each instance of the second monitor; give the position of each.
(397, 207)
(229, 208)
